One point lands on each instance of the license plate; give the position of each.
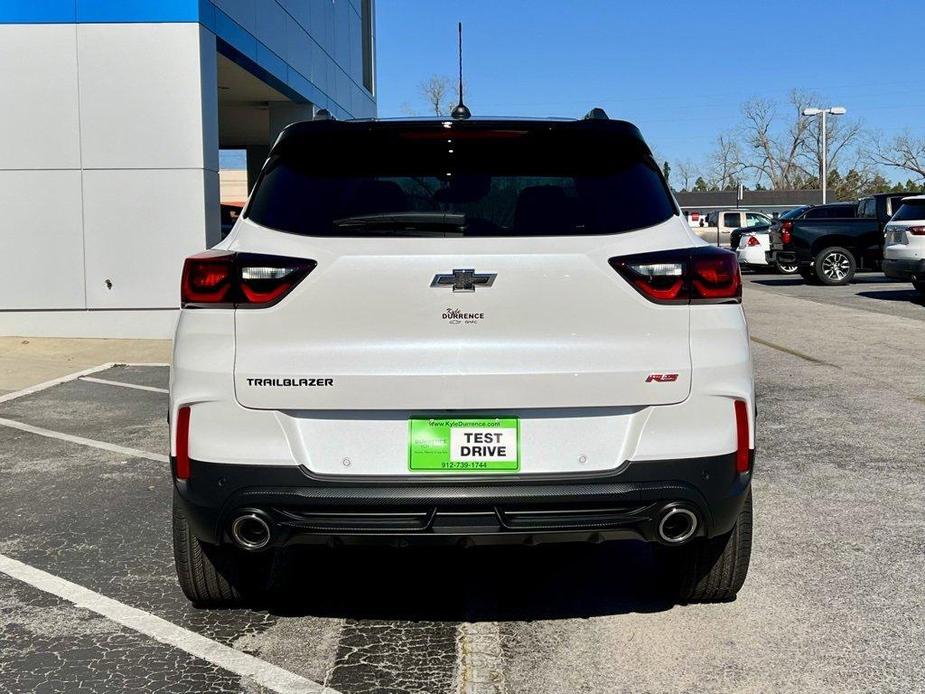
(490, 444)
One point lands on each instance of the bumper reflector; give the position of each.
(182, 465)
(742, 447)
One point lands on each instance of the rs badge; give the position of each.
(662, 378)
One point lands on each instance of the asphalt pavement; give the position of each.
(835, 599)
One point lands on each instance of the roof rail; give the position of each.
(596, 113)
(324, 114)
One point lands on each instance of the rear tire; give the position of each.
(919, 286)
(835, 266)
(212, 575)
(786, 269)
(712, 569)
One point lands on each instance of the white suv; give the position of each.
(473, 331)
(904, 243)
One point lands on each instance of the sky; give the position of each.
(679, 70)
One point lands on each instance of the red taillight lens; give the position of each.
(785, 229)
(660, 281)
(916, 231)
(743, 450)
(715, 278)
(208, 278)
(701, 275)
(182, 468)
(249, 280)
(753, 241)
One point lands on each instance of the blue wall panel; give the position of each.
(99, 11)
(137, 11)
(309, 48)
(38, 11)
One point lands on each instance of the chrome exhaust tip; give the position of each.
(250, 531)
(677, 525)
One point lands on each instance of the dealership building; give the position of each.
(112, 115)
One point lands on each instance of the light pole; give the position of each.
(835, 111)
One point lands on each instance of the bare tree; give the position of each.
(436, 91)
(726, 163)
(842, 137)
(775, 153)
(785, 149)
(687, 173)
(905, 152)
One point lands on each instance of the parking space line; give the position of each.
(54, 382)
(793, 352)
(80, 440)
(479, 659)
(254, 669)
(107, 382)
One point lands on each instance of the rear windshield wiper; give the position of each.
(404, 223)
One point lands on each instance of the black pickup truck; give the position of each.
(831, 250)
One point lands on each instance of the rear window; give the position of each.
(831, 212)
(867, 208)
(911, 210)
(515, 181)
(794, 213)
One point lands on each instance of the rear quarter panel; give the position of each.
(857, 235)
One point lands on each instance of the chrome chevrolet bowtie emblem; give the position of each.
(463, 280)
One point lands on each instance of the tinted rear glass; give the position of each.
(794, 213)
(515, 181)
(831, 212)
(912, 210)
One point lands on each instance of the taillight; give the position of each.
(786, 227)
(701, 275)
(182, 468)
(218, 279)
(916, 231)
(743, 450)
(753, 241)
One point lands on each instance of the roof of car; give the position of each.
(914, 197)
(330, 125)
(889, 195)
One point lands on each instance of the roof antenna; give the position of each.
(461, 112)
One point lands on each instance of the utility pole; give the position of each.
(824, 173)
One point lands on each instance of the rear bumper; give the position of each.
(305, 509)
(790, 258)
(751, 255)
(904, 268)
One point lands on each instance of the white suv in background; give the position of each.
(904, 243)
(465, 332)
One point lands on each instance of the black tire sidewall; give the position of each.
(820, 258)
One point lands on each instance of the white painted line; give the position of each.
(247, 666)
(143, 363)
(107, 382)
(54, 382)
(478, 659)
(122, 450)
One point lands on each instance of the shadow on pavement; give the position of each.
(555, 581)
(908, 295)
(783, 282)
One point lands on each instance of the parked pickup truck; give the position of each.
(722, 222)
(829, 251)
